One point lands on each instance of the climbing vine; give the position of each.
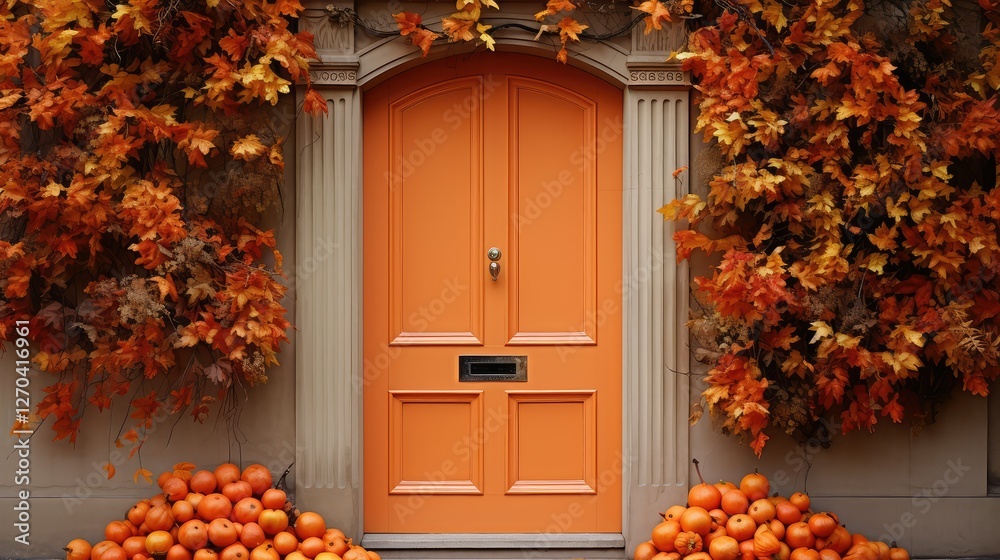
(136, 169)
(852, 204)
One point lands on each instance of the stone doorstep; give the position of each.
(500, 546)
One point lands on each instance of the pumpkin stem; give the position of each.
(698, 470)
(893, 545)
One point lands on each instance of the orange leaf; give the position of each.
(553, 7)
(423, 38)
(408, 22)
(658, 13)
(110, 469)
(569, 28)
(144, 473)
(458, 29)
(314, 102)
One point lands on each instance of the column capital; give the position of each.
(648, 64)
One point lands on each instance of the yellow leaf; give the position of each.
(774, 15)
(822, 331)
(486, 37)
(52, 189)
(876, 262)
(110, 470)
(145, 474)
(911, 335)
(247, 147)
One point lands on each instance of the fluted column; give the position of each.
(656, 287)
(328, 285)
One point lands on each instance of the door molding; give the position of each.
(327, 284)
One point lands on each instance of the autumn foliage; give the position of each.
(852, 206)
(136, 166)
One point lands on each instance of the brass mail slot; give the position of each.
(492, 368)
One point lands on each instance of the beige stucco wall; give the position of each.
(70, 494)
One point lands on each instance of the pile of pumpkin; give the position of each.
(727, 522)
(225, 514)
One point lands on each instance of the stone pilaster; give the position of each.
(656, 350)
(328, 284)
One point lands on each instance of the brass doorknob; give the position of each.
(494, 255)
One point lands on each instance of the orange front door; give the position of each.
(521, 154)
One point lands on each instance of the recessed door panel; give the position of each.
(553, 189)
(435, 190)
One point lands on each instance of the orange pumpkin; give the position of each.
(765, 543)
(252, 535)
(687, 542)
(247, 510)
(724, 548)
(182, 510)
(273, 521)
(159, 518)
(787, 513)
(804, 554)
(822, 524)
(735, 501)
(175, 488)
(117, 532)
(897, 553)
(761, 511)
(755, 486)
(203, 482)
(741, 527)
(78, 549)
(264, 552)
(697, 520)
(235, 551)
(798, 535)
(237, 490)
(226, 473)
(193, 534)
(800, 500)
(829, 554)
(179, 552)
(221, 532)
(664, 535)
(311, 524)
(134, 545)
(159, 542)
(214, 506)
(137, 514)
(645, 551)
(273, 498)
(259, 478)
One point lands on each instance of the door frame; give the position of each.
(327, 283)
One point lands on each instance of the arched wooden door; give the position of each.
(462, 155)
